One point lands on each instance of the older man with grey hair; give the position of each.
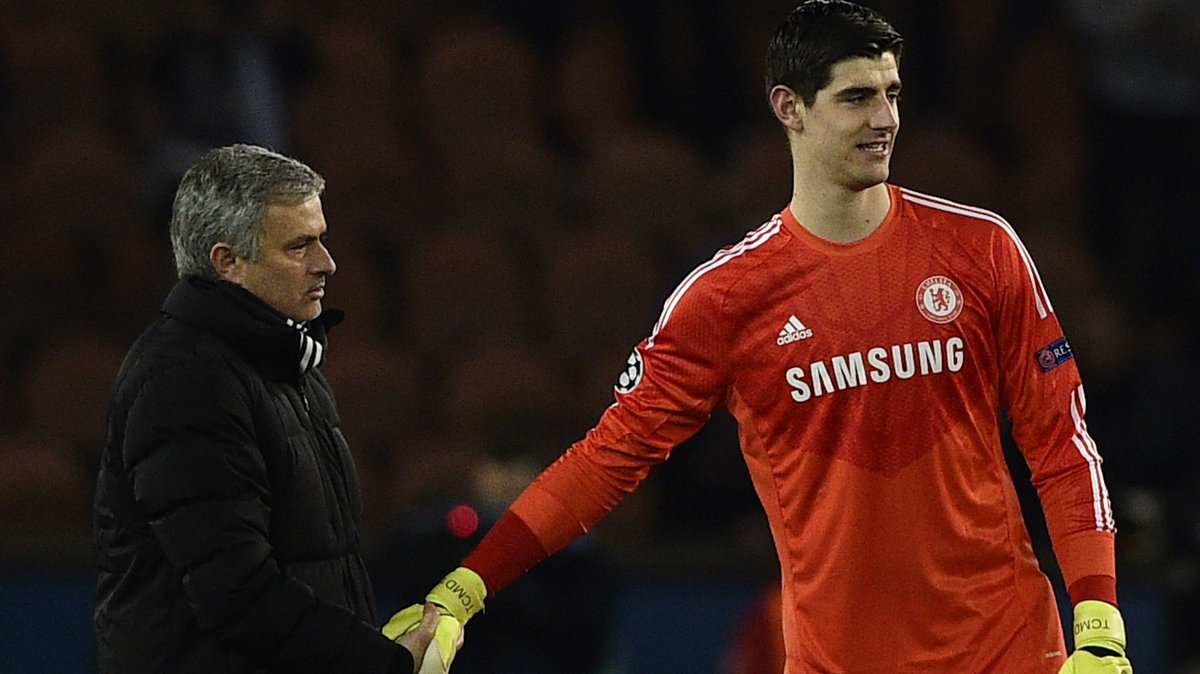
(227, 509)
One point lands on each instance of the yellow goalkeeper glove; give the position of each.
(1099, 641)
(457, 597)
(447, 638)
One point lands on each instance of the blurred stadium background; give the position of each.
(514, 187)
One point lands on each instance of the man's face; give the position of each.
(293, 263)
(851, 127)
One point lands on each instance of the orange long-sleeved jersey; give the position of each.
(866, 380)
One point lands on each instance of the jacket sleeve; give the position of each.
(201, 481)
(1044, 396)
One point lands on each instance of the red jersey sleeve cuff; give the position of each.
(1102, 588)
(509, 549)
(1088, 565)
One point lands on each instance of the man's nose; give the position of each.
(885, 115)
(324, 263)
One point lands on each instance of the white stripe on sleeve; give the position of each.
(753, 240)
(1101, 506)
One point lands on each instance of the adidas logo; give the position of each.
(793, 331)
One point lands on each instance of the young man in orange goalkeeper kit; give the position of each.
(864, 339)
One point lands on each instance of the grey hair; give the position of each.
(223, 198)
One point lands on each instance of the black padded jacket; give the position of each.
(227, 508)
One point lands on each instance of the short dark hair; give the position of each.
(819, 34)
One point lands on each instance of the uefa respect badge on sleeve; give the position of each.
(1054, 355)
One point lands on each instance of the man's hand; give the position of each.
(1099, 641)
(429, 632)
(447, 640)
(423, 628)
(454, 599)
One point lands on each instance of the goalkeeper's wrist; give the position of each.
(460, 594)
(1098, 625)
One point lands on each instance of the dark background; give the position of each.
(514, 188)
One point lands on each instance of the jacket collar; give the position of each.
(239, 318)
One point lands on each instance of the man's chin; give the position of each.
(307, 312)
(864, 185)
(870, 179)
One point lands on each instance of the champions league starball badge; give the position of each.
(632, 374)
(939, 299)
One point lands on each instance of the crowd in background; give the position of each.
(513, 189)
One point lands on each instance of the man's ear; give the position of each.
(227, 263)
(788, 107)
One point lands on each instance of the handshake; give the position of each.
(448, 607)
